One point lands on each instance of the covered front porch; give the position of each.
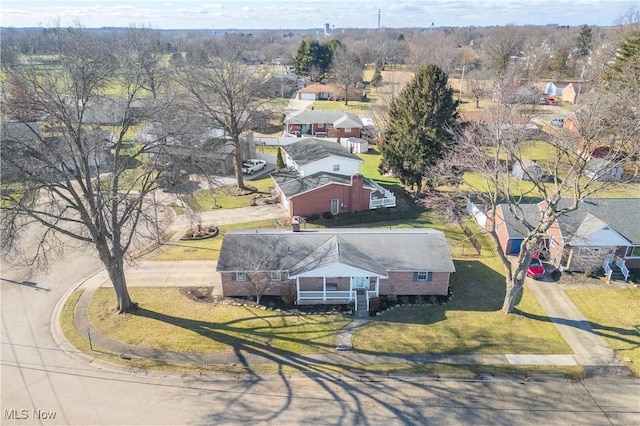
(337, 290)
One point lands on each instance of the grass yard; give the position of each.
(226, 197)
(208, 249)
(370, 167)
(615, 315)
(471, 323)
(168, 320)
(356, 107)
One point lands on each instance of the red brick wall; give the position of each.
(400, 283)
(319, 200)
(556, 251)
(232, 288)
(501, 231)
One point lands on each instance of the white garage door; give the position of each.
(308, 96)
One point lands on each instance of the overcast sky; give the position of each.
(301, 14)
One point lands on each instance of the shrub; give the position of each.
(327, 215)
(374, 304)
(288, 293)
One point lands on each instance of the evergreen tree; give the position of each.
(376, 78)
(626, 69)
(311, 53)
(584, 40)
(418, 133)
(279, 161)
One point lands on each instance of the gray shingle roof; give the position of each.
(292, 184)
(369, 249)
(309, 150)
(515, 229)
(346, 119)
(621, 214)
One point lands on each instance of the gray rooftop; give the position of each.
(337, 118)
(620, 214)
(309, 150)
(374, 250)
(292, 183)
(515, 229)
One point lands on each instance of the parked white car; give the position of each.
(252, 165)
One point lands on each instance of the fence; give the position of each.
(472, 238)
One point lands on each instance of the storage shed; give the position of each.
(527, 170)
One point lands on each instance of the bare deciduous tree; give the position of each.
(75, 174)
(488, 150)
(346, 70)
(227, 93)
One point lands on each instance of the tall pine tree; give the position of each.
(418, 133)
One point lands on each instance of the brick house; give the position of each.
(601, 233)
(322, 176)
(331, 124)
(336, 266)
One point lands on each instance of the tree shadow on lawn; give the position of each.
(246, 341)
(476, 287)
(615, 333)
(251, 353)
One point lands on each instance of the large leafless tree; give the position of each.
(488, 150)
(346, 71)
(69, 167)
(227, 93)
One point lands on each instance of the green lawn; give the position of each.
(471, 323)
(226, 196)
(615, 315)
(208, 249)
(356, 107)
(370, 167)
(168, 320)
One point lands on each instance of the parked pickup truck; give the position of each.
(250, 166)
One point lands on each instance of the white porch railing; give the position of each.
(325, 295)
(620, 263)
(608, 271)
(389, 200)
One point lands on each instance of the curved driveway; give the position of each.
(42, 383)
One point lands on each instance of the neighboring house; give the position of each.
(322, 176)
(602, 170)
(527, 170)
(518, 95)
(281, 85)
(509, 230)
(55, 151)
(314, 92)
(323, 123)
(601, 233)
(336, 266)
(325, 92)
(213, 150)
(567, 91)
(553, 89)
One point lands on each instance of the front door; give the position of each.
(335, 206)
(361, 282)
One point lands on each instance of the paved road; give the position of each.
(38, 378)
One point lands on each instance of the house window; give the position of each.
(332, 286)
(633, 251)
(347, 129)
(330, 126)
(336, 167)
(275, 276)
(241, 276)
(422, 276)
